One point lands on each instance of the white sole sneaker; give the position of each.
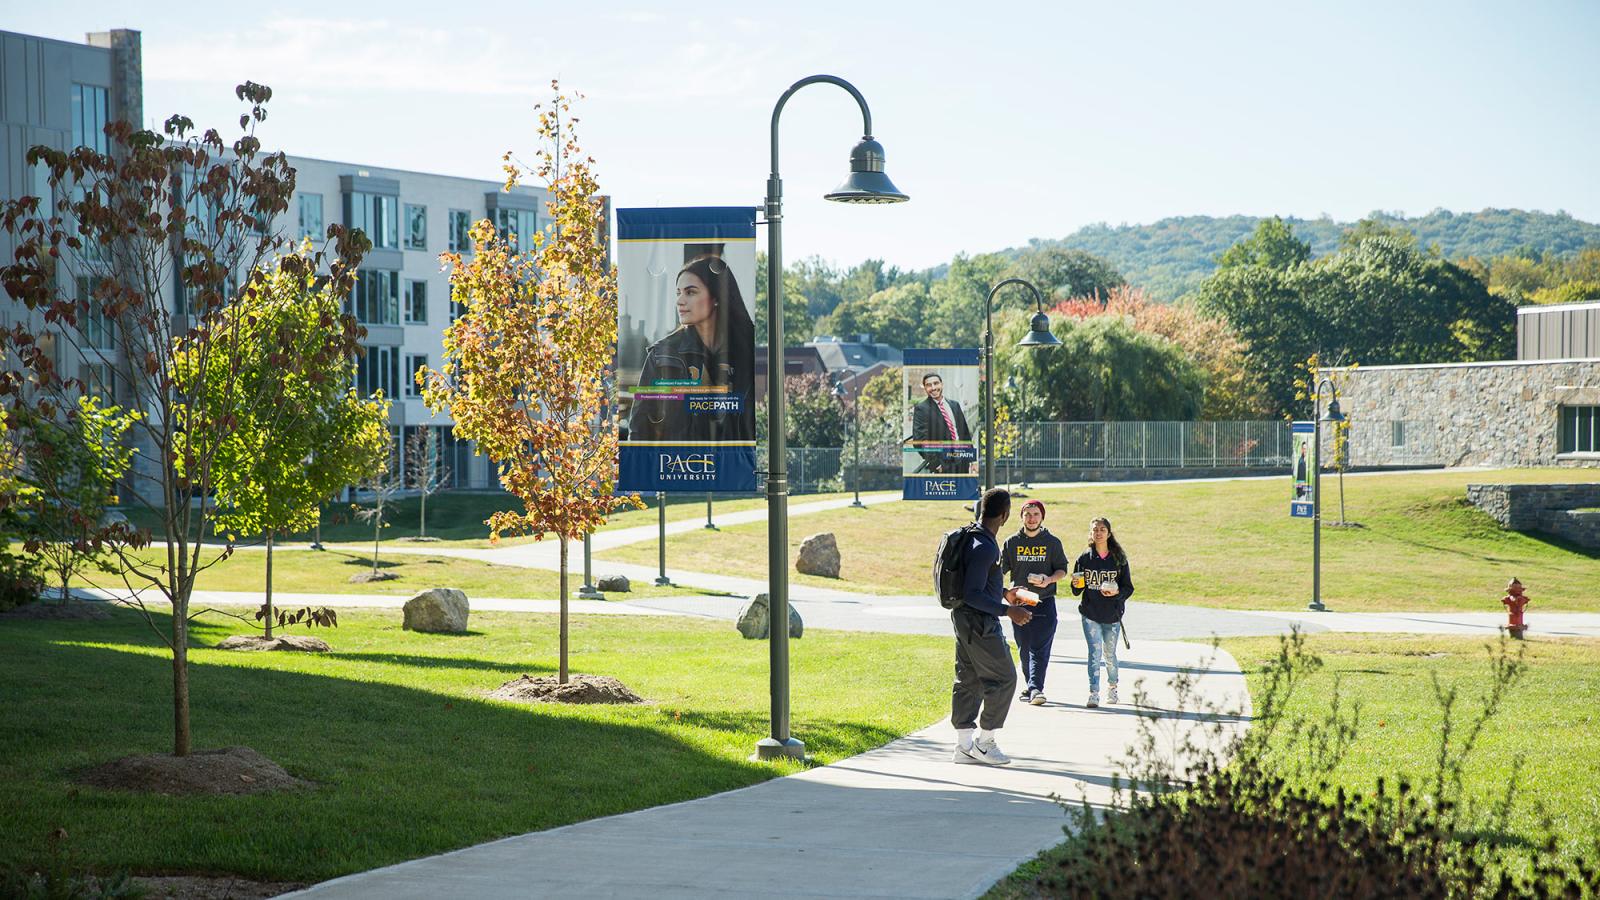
(991, 756)
(1094, 701)
(1038, 699)
(964, 756)
(1111, 697)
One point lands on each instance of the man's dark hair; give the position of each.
(932, 375)
(994, 503)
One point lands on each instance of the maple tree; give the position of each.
(525, 371)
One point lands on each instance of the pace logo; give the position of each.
(941, 487)
(687, 466)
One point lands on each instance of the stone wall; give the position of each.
(1465, 414)
(1558, 509)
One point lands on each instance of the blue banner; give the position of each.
(939, 452)
(1302, 470)
(686, 349)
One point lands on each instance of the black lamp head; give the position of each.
(1039, 333)
(1333, 414)
(866, 182)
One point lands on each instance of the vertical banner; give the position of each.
(1303, 462)
(939, 459)
(686, 345)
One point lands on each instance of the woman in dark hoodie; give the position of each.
(1101, 578)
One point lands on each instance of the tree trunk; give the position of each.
(269, 584)
(563, 609)
(180, 679)
(377, 532)
(422, 520)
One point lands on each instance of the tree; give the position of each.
(1104, 371)
(816, 417)
(525, 367)
(426, 473)
(1273, 244)
(796, 320)
(1060, 273)
(895, 315)
(300, 432)
(381, 486)
(955, 315)
(71, 468)
(163, 226)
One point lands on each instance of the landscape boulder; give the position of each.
(300, 642)
(755, 621)
(819, 555)
(437, 610)
(613, 583)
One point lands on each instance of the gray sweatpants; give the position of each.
(985, 675)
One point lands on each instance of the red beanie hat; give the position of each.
(1038, 503)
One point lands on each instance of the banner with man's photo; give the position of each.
(939, 457)
(686, 349)
(1303, 470)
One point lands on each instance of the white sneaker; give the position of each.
(1094, 700)
(1038, 698)
(963, 755)
(1111, 695)
(989, 753)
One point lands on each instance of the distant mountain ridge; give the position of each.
(1171, 257)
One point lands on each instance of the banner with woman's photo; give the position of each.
(939, 458)
(686, 346)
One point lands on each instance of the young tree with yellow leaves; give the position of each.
(525, 367)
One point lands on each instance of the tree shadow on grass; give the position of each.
(442, 662)
(401, 772)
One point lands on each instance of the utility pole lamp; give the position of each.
(710, 526)
(1038, 336)
(588, 591)
(855, 429)
(866, 183)
(1333, 417)
(661, 540)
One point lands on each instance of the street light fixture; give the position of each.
(866, 183)
(1038, 336)
(855, 430)
(1333, 417)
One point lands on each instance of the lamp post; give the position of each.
(1038, 336)
(1333, 417)
(661, 540)
(588, 591)
(855, 429)
(866, 183)
(710, 526)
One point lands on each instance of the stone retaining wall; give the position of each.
(1550, 508)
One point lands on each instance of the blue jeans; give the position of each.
(1102, 641)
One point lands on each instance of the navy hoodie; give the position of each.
(1098, 570)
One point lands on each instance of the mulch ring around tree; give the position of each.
(230, 770)
(55, 609)
(578, 689)
(280, 642)
(209, 887)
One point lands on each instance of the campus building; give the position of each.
(1540, 409)
(62, 94)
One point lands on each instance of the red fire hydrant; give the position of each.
(1515, 601)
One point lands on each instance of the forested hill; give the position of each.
(1170, 257)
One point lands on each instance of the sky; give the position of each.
(1004, 122)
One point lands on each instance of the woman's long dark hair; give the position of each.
(738, 332)
(1111, 540)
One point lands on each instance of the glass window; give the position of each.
(1580, 429)
(460, 231)
(416, 227)
(416, 303)
(100, 380)
(378, 369)
(311, 217)
(378, 216)
(376, 299)
(1397, 433)
(457, 309)
(99, 332)
(516, 227)
(414, 363)
(89, 117)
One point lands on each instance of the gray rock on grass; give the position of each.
(755, 620)
(614, 584)
(819, 555)
(437, 610)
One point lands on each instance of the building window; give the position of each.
(1397, 433)
(376, 299)
(99, 380)
(378, 215)
(1580, 429)
(99, 332)
(457, 309)
(416, 303)
(416, 227)
(415, 363)
(311, 217)
(89, 117)
(516, 227)
(460, 231)
(378, 369)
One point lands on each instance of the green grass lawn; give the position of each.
(409, 757)
(1551, 723)
(1225, 544)
(328, 572)
(1551, 720)
(456, 517)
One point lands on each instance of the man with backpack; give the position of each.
(969, 582)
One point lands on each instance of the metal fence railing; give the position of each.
(1231, 445)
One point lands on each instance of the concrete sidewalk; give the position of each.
(899, 821)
